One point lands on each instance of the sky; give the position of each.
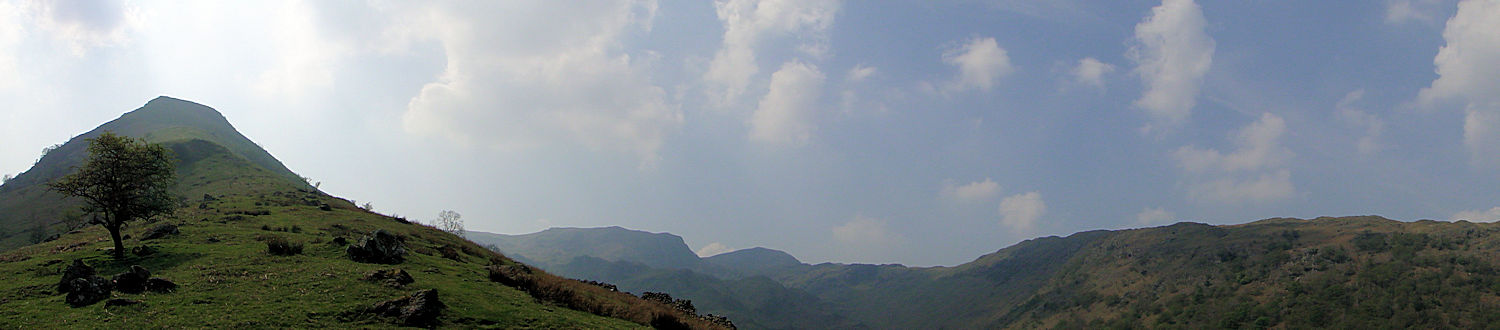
(915, 132)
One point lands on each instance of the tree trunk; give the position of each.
(114, 233)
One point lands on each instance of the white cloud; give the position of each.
(1468, 69)
(980, 61)
(859, 73)
(1490, 215)
(1172, 54)
(1402, 11)
(10, 36)
(1252, 172)
(84, 25)
(1258, 145)
(976, 191)
(1021, 211)
(748, 23)
(866, 231)
(1090, 71)
(1154, 216)
(785, 114)
(532, 80)
(1371, 124)
(712, 249)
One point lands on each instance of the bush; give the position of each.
(280, 246)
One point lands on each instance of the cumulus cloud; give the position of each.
(749, 23)
(1154, 216)
(531, 80)
(1468, 69)
(712, 249)
(1172, 54)
(1021, 211)
(980, 61)
(1370, 124)
(866, 231)
(1490, 215)
(785, 114)
(1090, 72)
(976, 191)
(1253, 172)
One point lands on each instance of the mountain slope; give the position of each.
(233, 208)
(26, 204)
(561, 245)
(1350, 272)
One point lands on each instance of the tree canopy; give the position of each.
(123, 180)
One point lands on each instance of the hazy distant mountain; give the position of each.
(1352, 272)
(561, 245)
(234, 200)
(754, 261)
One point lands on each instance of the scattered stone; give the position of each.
(143, 250)
(325, 207)
(132, 281)
(213, 239)
(380, 247)
(420, 309)
(75, 271)
(87, 291)
(121, 302)
(160, 231)
(394, 277)
(209, 198)
(160, 285)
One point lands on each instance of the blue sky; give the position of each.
(922, 133)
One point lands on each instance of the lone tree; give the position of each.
(450, 221)
(123, 180)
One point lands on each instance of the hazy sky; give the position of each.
(916, 132)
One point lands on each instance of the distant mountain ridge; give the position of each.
(1348, 272)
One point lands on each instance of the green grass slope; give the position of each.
(26, 204)
(230, 207)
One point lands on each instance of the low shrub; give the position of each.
(277, 245)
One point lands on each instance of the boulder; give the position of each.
(87, 291)
(420, 309)
(160, 231)
(132, 281)
(379, 247)
(75, 271)
(393, 277)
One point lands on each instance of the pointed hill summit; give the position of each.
(251, 245)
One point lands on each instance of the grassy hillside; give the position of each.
(26, 205)
(232, 208)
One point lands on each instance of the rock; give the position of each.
(121, 302)
(393, 277)
(87, 291)
(340, 241)
(160, 285)
(75, 271)
(380, 247)
(132, 281)
(160, 231)
(325, 207)
(720, 320)
(420, 309)
(143, 250)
